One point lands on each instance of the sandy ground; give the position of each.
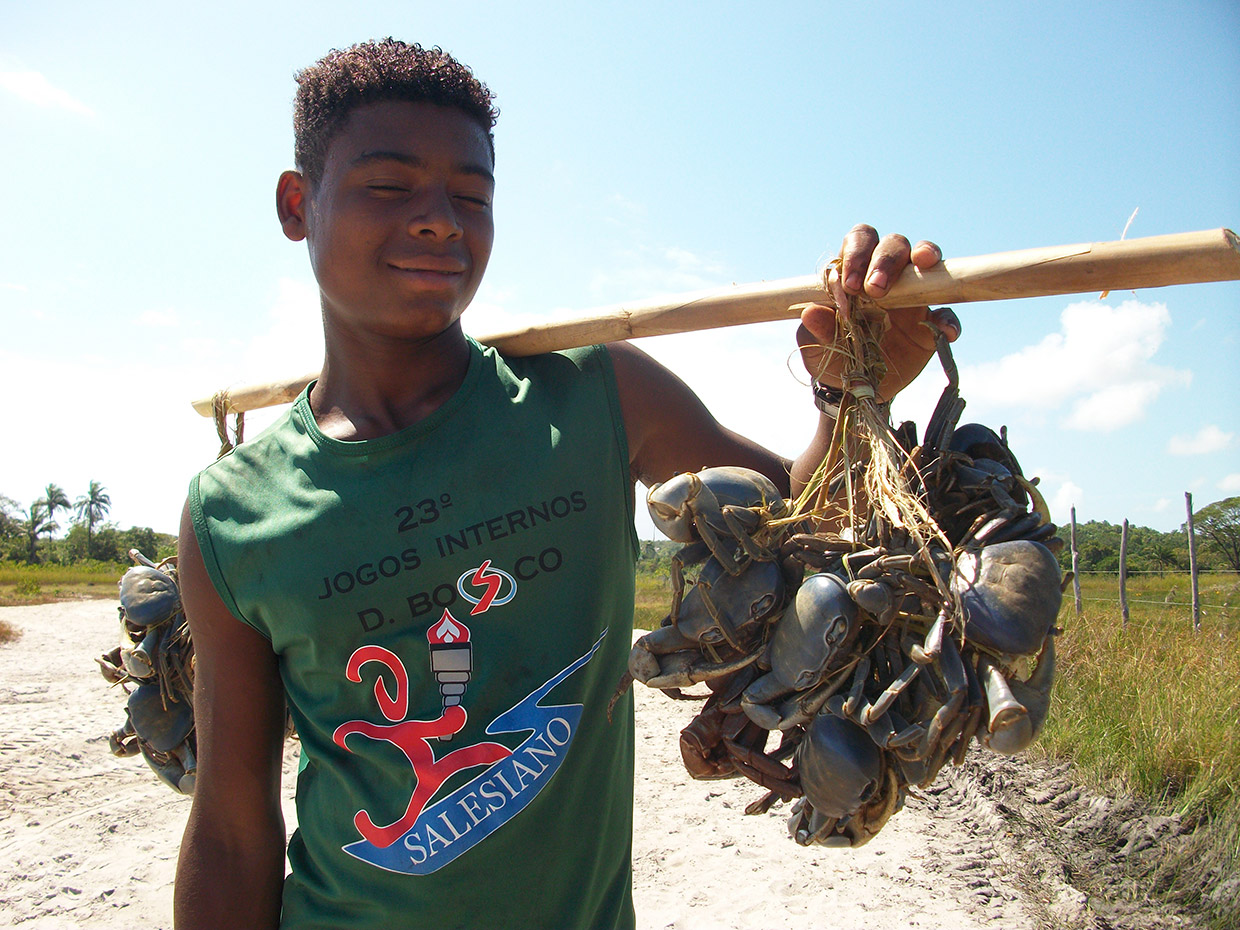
(90, 840)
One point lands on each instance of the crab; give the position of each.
(715, 630)
(722, 508)
(159, 715)
(899, 645)
(809, 642)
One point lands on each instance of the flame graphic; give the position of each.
(449, 630)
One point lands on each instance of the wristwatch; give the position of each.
(828, 398)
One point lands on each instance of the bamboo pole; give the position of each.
(1154, 261)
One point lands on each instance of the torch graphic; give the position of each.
(451, 659)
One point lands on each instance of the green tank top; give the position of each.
(452, 609)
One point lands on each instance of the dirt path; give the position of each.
(89, 839)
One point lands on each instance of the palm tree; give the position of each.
(55, 500)
(1162, 555)
(92, 507)
(36, 525)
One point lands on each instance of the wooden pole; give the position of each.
(1155, 261)
(1123, 572)
(1076, 573)
(1192, 562)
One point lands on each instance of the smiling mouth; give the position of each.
(429, 266)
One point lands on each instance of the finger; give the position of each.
(926, 254)
(855, 254)
(945, 321)
(818, 326)
(888, 260)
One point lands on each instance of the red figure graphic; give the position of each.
(412, 737)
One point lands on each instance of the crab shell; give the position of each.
(676, 503)
(839, 765)
(149, 596)
(164, 728)
(742, 601)
(1010, 595)
(981, 442)
(815, 629)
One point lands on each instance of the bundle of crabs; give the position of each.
(843, 665)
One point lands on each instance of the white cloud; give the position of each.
(33, 87)
(1098, 366)
(489, 313)
(1113, 406)
(1231, 483)
(652, 272)
(131, 426)
(1205, 440)
(1061, 502)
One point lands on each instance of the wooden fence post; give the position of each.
(1192, 562)
(1123, 572)
(1076, 574)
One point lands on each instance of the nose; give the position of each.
(433, 215)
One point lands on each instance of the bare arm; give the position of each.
(231, 868)
(670, 430)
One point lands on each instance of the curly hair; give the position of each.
(372, 72)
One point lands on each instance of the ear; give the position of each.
(292, 204)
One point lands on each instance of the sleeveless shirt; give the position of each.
(451, 606)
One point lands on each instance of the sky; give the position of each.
(642, 150)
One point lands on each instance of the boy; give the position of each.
(431, 556)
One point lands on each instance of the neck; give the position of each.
(371, 387)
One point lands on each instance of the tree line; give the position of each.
(1217, 528)
(29, 534)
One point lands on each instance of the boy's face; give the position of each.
(399, 227)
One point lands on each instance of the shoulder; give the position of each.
(670, 430)
(254, 456)
(586, 361)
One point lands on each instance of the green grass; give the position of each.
(654, 597)
(22, 584)
(1153, 702)
(1156, 706)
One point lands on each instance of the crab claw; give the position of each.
(809, 638)
(680, 669)
(669, 504)
(1018, 709)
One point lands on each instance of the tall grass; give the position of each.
(14, 573)
(22, 584)
(1152, 703)
(654, 598)
(1157, 707)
